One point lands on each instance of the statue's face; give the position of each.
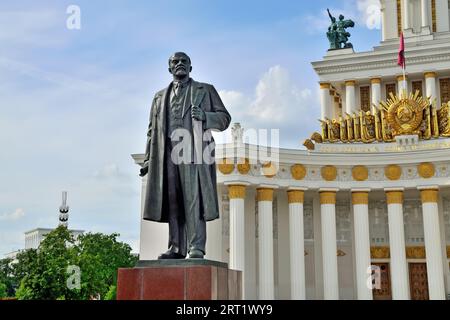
(180, 65)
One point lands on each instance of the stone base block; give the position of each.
(179, 280)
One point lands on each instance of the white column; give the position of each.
(376, 90)
(329, 247)
(430, 83)
(384, 33)
(399, 266)
(360, 200)
(237, 227)
(433, 248)
(296, 243)
(350, 97)
(265, 239)
(405, 14)
(402, 85)
(325, 101)
(425, 13)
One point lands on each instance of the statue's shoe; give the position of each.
(169, 255)
(196, 254)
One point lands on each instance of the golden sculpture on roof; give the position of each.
(399, 115)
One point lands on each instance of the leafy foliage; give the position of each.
(45, 274)
(7, 280)
(3, 293)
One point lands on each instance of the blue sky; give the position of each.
(74, 104)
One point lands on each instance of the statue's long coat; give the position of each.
(217, 119)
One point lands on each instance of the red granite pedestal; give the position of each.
(179, 280)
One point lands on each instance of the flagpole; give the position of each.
(405, 85)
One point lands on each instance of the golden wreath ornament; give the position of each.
(405, 114)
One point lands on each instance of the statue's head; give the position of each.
(180, 65)
(341, 17)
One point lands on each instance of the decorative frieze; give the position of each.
(380, 252)
(393, 172)
(426, 170)
(298, 172)
(329, 173)
(360, 173)
(226, 166)
(244, 168)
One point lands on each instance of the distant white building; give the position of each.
(33, 238)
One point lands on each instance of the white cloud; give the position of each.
(108, 171)
(30, 28)
(13, 216)
(277, 103)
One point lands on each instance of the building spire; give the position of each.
(64, 211)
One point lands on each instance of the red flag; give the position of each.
(401, 53)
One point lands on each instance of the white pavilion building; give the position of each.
(364, 213)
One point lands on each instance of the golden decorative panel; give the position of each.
(264, 194)
(394, 197)
(380, 252)
(430, 75)
(417, 86)
(329, 173)
(341, 253)
(327, 197)
(298, 172)
(244, 167)
(426, 170)
(236, 192)
(400, 114)
(360, 173)
(429, 196)
(399, 17)
(405, 114)
(391, 88)
(393, 172)
(448, 252)
(350, 83)
(433, 15)
(364, 93)
(360, 198)
(445, 90)
(325, 86)
(415, 252)
(226, 166)
(269, 170)
(375, 80)
(296, 196)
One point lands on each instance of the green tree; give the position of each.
(3, 292)
(43, 273)
(45, 276)
(7, 278)
(99, 256)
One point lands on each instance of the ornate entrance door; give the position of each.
(418, 281)
(384, 293)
